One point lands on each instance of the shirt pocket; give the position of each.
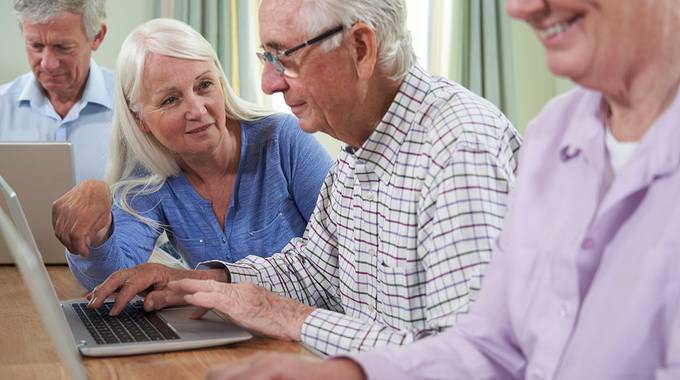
(395, 296)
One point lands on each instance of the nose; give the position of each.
(196, 107)
(272, 81)
(49, 61)
(525, 9)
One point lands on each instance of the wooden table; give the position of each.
(27, 353)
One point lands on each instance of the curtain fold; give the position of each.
(229, 26)
(480, 52)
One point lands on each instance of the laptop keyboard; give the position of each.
(132, 325)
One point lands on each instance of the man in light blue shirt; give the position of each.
(66, 96)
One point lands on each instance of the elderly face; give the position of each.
(322, 93)
(589, 41)
(59, 54)
(182, 105)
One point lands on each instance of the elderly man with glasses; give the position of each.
(404, 225)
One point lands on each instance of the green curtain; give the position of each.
(484, 52)
(228, 25)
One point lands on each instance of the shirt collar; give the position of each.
(379, 152)
(657, 154)
(95, 90)
(584, 134)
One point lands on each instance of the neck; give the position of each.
(63, 101)
(221, 162)
(648, 88)
(371, 108)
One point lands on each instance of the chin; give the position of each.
(565, 65)
(309, 127)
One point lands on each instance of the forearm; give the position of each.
(289, 274)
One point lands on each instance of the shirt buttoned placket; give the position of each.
(365, 232)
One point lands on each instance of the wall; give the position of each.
(534, 84)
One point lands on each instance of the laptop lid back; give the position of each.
(41, 172)
(44, 298)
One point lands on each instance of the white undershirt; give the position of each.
(619, 152)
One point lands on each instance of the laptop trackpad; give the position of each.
(210, 323)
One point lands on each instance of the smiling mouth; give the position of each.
(557, 29)
(199, 129)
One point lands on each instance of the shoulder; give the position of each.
(455, 118)
(559, 112)
(278, 128)
(11, 90)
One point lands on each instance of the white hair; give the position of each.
(138, 162)
(41, 11)
(387, 18)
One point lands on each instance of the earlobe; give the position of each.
(364, 49)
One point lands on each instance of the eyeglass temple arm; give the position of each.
(314, 40)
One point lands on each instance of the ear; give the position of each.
(99, 37)
(363, 49)
(140, 123)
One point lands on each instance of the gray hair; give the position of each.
(42, 11)
(387, 18)
(137, 160)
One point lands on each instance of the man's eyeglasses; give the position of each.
(276, 58)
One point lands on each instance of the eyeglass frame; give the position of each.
(273, 58)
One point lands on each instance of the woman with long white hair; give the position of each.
(223, 177)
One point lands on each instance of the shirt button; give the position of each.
(369, 196)
(564, 310)
(200, 240)
(224, 240)
(371, 252)
(588, 243)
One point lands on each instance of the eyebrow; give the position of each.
(172, 88)
(274, 46)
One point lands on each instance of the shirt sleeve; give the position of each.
(306, 164)
(131, 243)
(461, 214)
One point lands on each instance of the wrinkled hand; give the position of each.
(82, 216)
(287, 366)
(247, 305)
(130, 282)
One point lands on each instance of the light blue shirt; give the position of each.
(281, 170)
(26, 114)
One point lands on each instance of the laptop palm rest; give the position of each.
(187, 328)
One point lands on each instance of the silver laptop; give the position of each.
(94, 333)
(41, 172)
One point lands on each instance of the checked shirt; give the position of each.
(404, 225)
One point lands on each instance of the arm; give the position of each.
(306, 268)
(305, 164)
(130, 243)
(460, 214)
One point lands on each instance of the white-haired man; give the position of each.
(403, 228)
(66, 96)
